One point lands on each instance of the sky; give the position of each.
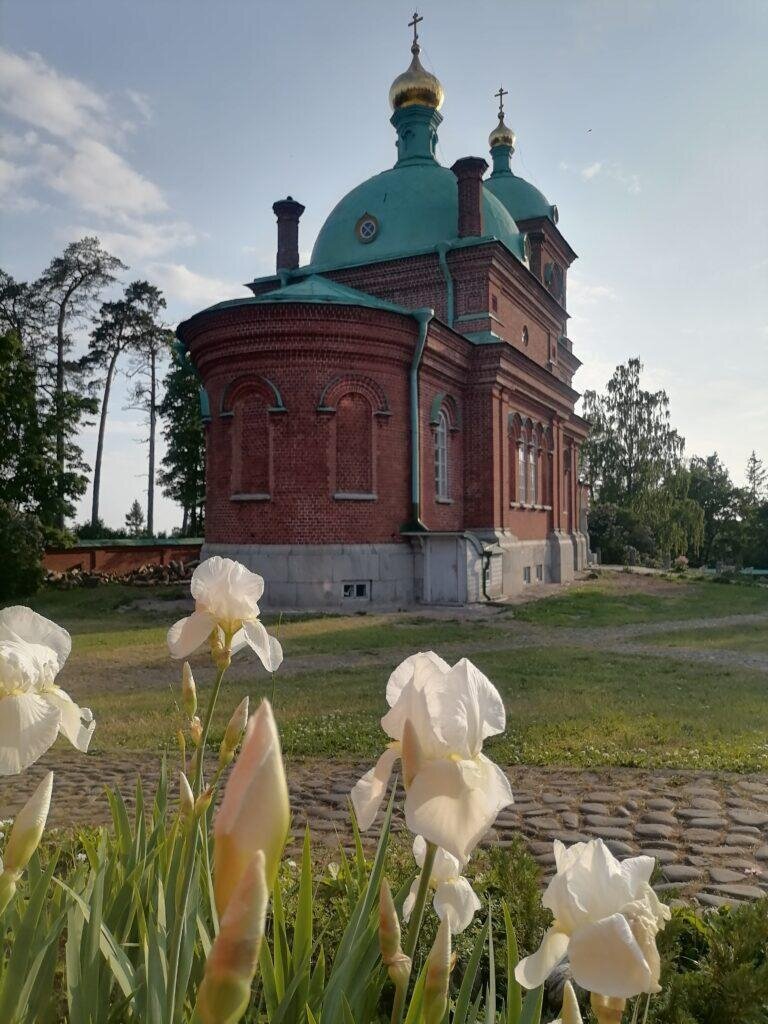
(168, 129)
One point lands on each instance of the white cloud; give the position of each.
(193, 289)
(97, 178)
(142, 103)
(142, 240)
(612, 171)
(581, 293)
(37, 94)
(71, 143)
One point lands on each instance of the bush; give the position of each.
(715, 967)
(22, 543)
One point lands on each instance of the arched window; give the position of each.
(521, 472)
(442, 482)
(251, 445)
(354, 445)
(533, 475)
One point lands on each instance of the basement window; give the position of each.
(540, 573)
(357, 591)
(527, 574)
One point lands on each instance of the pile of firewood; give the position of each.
(149, 575)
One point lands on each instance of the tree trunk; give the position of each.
(184, 522)
(100, 443)
(59, 406)
(152, 424)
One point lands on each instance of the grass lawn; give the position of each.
(567, 705)
(750, 638)
(618, 602)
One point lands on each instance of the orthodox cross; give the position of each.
(415, 26)
(501, 94)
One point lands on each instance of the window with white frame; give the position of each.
(442, 484)
(521, 472)
(532, 486)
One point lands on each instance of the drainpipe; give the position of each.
(423, 317)
(442, 250)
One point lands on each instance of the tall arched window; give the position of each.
(354, 445)
(442, 482)
(522, 472)
(533, 476)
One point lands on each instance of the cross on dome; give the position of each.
(501, 94)
(415, 26)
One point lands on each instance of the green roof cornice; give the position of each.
(313, 289)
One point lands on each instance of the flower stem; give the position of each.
(191, 855)
(417, 916)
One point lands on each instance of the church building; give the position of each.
(394, 422)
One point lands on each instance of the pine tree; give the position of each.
(119, 327)
(68, 288)
(756, 478)
(149, 349)
(134, 520)
(183, 474)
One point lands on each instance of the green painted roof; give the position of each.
(314, 288)
(520, 197)
(416, 206)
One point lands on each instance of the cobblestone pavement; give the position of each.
(708, 832)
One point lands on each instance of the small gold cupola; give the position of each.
(502, 135)
(416, 86)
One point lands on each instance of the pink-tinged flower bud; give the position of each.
(233, 733)
(254, 812)
(412, 756)
(203, 802)
(607, 1009)
(570, 1012)
(397, 963)
(188, 690)
(28, 828)
(438, 975)
(226, 987)
(186, 798)
(196, 731)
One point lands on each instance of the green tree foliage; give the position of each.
(47, 317)
(757, 476)
(134, 519)
(632, 448)
(68, 289)
(633, 461)
(22, 543)
(121, 326)
(712, 488)
(183, 474)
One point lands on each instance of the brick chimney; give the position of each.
(288, 212)
(469, 173)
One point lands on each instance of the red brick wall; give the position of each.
(354, 363)
(333, 411)
(117, 559)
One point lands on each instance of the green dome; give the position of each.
(408, 209)
(520, 198)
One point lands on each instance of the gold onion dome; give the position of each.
(416, 85)
(502, 134)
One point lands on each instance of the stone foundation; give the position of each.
(434, 568)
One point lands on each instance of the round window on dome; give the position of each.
(367, 228)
